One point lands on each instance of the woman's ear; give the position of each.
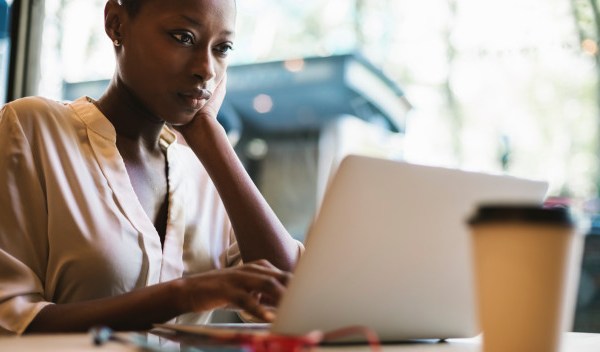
(113, 16)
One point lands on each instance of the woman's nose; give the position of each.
(204, 65)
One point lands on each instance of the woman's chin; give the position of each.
(180, 122)
(182, 118)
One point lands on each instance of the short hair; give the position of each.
(131, 6)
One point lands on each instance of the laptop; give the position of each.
(390, 250)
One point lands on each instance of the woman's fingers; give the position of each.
(266, 268)
(251, 304)
(212, 106)
(208, 111)
(266, 288)
(254, 287)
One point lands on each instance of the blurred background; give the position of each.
(496, 86)
(506, 86)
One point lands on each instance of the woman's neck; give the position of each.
(129, 116)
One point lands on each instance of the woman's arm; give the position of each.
(259, 232)
(245, 287)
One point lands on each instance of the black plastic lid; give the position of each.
(522, 213)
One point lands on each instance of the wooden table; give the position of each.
(573, 342)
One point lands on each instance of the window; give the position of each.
(74, 46)
(504, 86)
(4, 47)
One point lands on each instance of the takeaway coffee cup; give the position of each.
(526, 268)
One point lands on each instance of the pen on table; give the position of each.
(104, 334)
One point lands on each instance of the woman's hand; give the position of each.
(208, 113)
(254, 287)
(204, 132)
(212, 106)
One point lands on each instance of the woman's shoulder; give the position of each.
(35, 110)
(35, 104)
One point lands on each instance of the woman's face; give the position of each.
(174, 53)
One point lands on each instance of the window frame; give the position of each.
(26, 25)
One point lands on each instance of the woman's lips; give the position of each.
(197, 98)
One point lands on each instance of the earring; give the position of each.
(117, 42)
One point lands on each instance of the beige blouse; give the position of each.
(71, 226)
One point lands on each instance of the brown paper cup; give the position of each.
(525, 258)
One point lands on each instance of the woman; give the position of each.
(106, 219)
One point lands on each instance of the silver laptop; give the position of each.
(390, 250)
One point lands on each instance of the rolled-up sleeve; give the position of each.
(20, 295)
(233, 257)
(23, 227)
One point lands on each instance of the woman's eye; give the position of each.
(184, 38)
(224, 49)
